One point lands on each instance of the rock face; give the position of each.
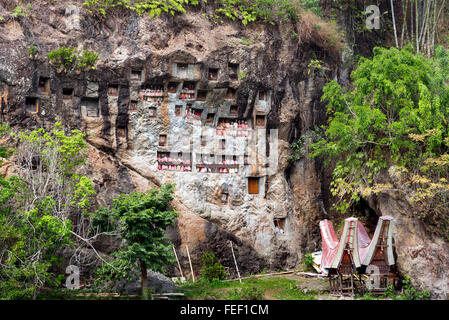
(212, 108)
(419, 253)
(154, 110)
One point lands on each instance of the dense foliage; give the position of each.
(394, 118)
(212, 268)
(245, 11)
(141, 219)
(40, 208)
(69, 58)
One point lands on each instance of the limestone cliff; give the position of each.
(162, 86)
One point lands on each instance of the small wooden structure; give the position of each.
(356, 253)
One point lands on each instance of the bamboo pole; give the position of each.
(394, 24)
(235, 261)
(177, 260)
(190, 262)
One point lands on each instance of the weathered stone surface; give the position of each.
(420, 254)
(123, 143)
(157, 282)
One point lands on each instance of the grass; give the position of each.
(273, 288)
(81, 294)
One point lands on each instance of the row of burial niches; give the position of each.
(189, 103)
(204, 163)
(183, 93)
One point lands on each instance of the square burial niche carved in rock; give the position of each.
(203, 141)
(133, 106)
(260, 121)
(193, 112)
(233, 111)
(152, 112)
(136, 75)
(224, 197)
(230, 94)
(92, 106)
(245, 160)
(210, 118)
(212, 74)
(113, 90)
(152, 93)
(178, 111)
(233, 69)
(188, 91)
(163, 140)
(31, 105)
(279, 224)
(44, 85)
(67, 94)
(201, 95)
(172, 87)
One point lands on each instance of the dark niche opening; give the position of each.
(233, 69)
(233, 111)
(67, 94)
(210, 118)
(172, 87)
(230, 94)
(44, 85)
(260, 121)
(152, 111)
(163, 140)
(279, 224)
(178, 111)
(92, 106)
(212, 74)
(201, 96)
(136, 75)
(31, 105)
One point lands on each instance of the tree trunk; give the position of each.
(143, 279)
(417, 25)
(394, 24)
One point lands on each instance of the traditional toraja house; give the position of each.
(355, 253)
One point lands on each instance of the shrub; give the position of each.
(21, 11)
(308, 261)
(32, 51)
(212, 269)
(69, 57)
(324, 34)
(411, 293)
(62, 57)
(87, 60)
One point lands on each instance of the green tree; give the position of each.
(394, 117)
(41, 209)
(212, 269)
(141, 220)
